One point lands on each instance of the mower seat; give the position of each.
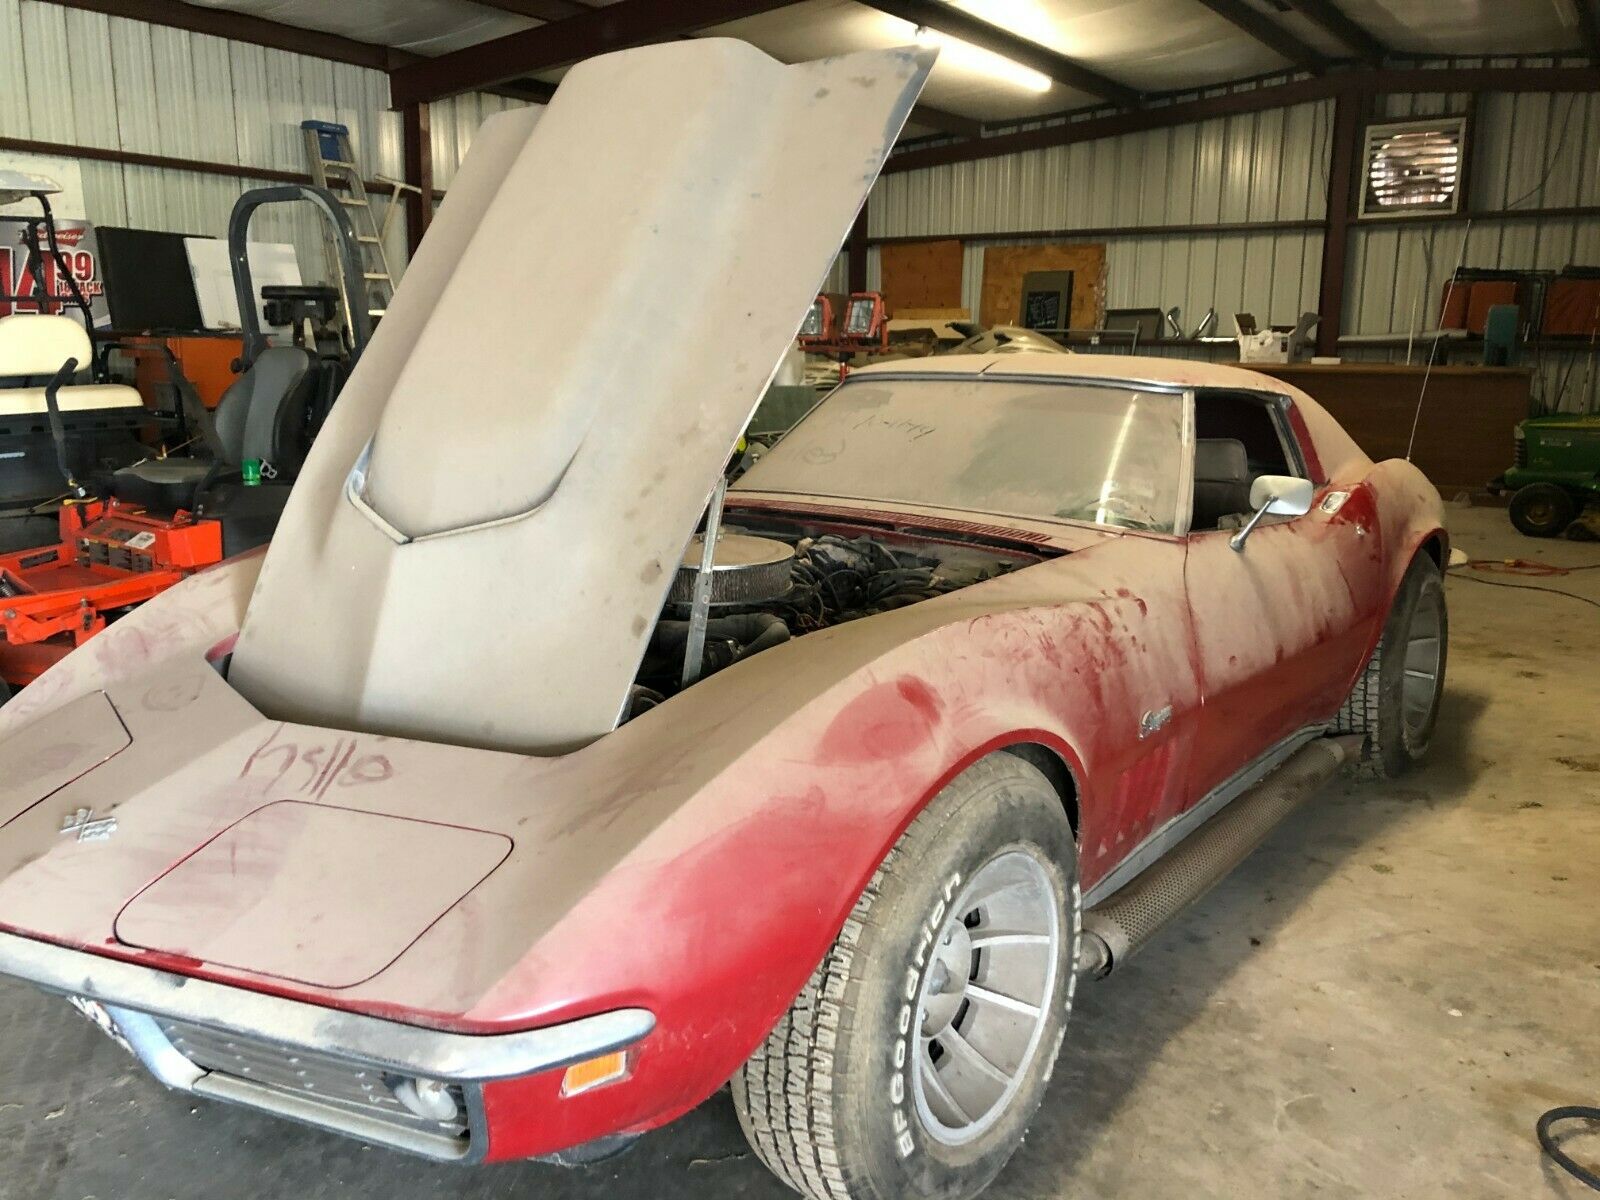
(1221, 481)
(261, 415)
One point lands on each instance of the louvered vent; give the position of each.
(1414, 167)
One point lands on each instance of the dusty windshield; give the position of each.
(1011, 447)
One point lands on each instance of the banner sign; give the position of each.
(19, 287)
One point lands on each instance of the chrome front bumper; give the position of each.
(320, 1066)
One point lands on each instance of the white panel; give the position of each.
(286, 108)
(317, 101)
(178, 109)
(138, 127)
(102, 192)
(93, 95)
(972, 278)
(1155, 177)
(1209, 153)
(1238, 140)
(46, 65)
(1080, 184)
(1300, 177)
(252, 124)
(1267, 165)
(1180, 191)
(13, 79)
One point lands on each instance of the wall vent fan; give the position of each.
(1414, 168)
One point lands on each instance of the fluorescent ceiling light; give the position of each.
(972, 58)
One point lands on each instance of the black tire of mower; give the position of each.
(1376, 705)
(1542, 509)
(819, 1101)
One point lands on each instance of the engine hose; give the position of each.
(1570, 1112)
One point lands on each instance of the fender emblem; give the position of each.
(87, 826)
(1152, 721)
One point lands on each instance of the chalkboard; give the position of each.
(1042, 310)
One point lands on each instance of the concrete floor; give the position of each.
(1379, 1003)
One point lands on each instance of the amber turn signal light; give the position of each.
(595, 1073)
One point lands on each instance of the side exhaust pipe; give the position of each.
(1117, 928)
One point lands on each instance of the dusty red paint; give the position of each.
(699, 860)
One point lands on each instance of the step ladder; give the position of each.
(333, 166)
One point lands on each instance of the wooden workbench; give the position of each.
(1464, 432)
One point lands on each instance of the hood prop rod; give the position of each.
(700, 602)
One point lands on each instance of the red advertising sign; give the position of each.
(19, 289)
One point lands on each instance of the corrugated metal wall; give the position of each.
(1528, 152)
(156, 90)
(453, 123)
(1269, 166)
(147, 88)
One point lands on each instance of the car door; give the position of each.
(1281, 624)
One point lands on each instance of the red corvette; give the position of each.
(483, 818)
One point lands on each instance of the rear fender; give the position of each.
(1411, 516)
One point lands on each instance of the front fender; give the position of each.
(716, 919)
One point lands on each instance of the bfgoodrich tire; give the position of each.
(914, 1058)
(1395, 702)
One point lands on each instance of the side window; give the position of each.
(1236, 440)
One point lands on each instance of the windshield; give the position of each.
(1011, 447)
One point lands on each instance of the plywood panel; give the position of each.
(1005, 266)
(921, 275)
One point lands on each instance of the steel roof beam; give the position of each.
(1269, 33)
(1328, 16)
(1254, 99)
(258, 31)
(558, 43)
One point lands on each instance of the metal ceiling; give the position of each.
(1146, 46)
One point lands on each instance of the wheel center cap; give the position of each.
(944, 988)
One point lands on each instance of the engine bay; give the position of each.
(774, 580)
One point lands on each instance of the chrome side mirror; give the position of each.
(1281, 495)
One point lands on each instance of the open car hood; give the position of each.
(484, 533)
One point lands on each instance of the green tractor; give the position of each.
(1556, 472)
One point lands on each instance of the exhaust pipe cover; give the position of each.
(1132, 916)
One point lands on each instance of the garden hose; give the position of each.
(1570, 1112)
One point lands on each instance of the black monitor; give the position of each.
(149, 286)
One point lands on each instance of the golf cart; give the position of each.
(98, 422)
(129, 534)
